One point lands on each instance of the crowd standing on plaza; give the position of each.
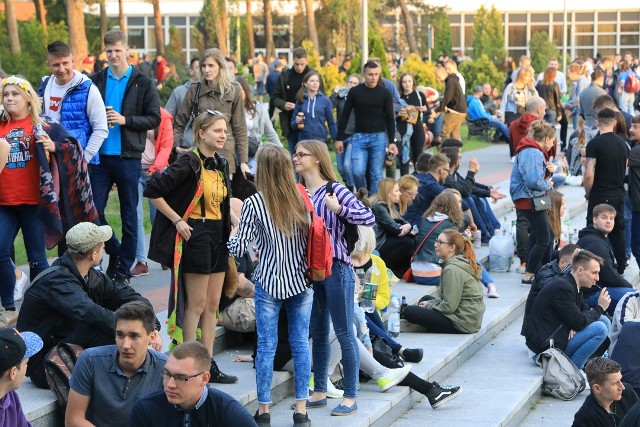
(244, 252)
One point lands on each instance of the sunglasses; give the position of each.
(216, 113)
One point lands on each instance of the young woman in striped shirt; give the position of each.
(277, 220)
(333, 297)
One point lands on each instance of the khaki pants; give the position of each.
(451, 125)
(240, 316)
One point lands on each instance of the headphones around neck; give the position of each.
(213, 163)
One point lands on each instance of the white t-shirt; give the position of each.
(53, 96)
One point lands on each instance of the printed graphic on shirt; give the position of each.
(54, 103)
(20, 153)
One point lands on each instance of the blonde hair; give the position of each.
(25, 89)
(319, 150)
(463, 247)
(276, 182)
(366, 240)
(539, 130)
(203, 122)
(528, 70)
(225, 83)
(446, 203)
(385, 185)
(405, 183)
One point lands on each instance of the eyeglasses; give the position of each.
(301, 155)
(448, 170)
(441, 242)
(216, 113)
(180, 379)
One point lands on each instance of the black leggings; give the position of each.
(396, 253)
(412, 380)
(432, 320)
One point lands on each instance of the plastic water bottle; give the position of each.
(394, 317)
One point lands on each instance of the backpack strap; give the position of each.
(305, 198)
(425, 239)
(195, 106)
(44, 273)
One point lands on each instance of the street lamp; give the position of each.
(365, 32)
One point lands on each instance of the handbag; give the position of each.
(187, 134)
(419, 268)
(538, 203)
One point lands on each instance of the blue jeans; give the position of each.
(344, 163)
(376, 329)
(487, 214)
(616, 295)
(550, 117)
(368, 150)
(12, 219)
(627, 224)
(503, 130)
(477, 218)
(125, 173)
(298, 313)
(333, 300)
(436, 126)
(585, 342)
(428, 281)
(635, 235)
(141, 252)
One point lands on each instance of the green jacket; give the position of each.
(460, 295)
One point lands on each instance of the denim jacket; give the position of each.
(528, 173)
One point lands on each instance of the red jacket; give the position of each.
(518, 130)
(164, 142)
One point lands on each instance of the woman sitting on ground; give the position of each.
(460, 308)
(394, 240)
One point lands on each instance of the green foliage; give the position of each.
(205, 24)
(440, 21)
(92, 28)
(423, 71)
(167, 87)
(331, 77)
(488, 35)
(173, 52)
(376, 50)
(480, 71)
(542, 49)
(313, 57)
(32, 61)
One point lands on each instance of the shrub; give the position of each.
(480, 71)
(423, 71)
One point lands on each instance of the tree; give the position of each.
(541, 49)
(252, 41)
(423, 71)
(103, 23)
(311, 23)
(442, 31)
(488, 35)
(157, 27)
(41, 14)
(221, 24)
(408, 26)
(77, 35)
(268, 29)
(376, 50)
(481, 71)
(12, 27)
(121, 20)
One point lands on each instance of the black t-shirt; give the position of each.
(610, 152)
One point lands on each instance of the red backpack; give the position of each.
(319, 248)
(632, 84)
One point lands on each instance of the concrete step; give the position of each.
(443, 356)
(548, 411)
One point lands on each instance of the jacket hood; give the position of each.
(527, 142)
(463, 263)
(590, 230)
(437, 216)
(524, 122)
(76, 80)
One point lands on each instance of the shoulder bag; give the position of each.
(187, 134)
(419, 268)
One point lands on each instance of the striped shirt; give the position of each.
(351, 209)
(283, 260)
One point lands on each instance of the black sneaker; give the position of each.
(439, 395)
(301, 420)
(122, 278)
(263, 419)
(114, 260)
(217, 376)
(338, 384)
(413, 355)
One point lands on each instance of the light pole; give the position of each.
(564, 38)
(365, 32)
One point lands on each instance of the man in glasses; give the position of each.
(108, 380)
(186, 399)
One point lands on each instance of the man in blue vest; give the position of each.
(72, 99)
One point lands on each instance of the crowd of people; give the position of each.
(236, 246)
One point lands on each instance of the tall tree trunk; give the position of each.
(41, 15)
(221, 23)
(121, 20)
(348, 40)
(77, 35)
(157, 27)
(408, 26)
(12, 27)
(103, 23)
(268, 29)
(252, 41)
(311, 23)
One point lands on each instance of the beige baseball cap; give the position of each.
(83, 237)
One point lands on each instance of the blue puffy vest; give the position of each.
(73, 113)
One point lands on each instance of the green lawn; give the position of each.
(113, 206)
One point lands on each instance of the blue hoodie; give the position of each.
(475, 110)
(317, 112)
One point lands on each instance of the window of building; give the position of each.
(517, 35)
(456, 41)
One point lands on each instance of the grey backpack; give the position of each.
(561, 378)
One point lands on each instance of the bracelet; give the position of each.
(174, 223)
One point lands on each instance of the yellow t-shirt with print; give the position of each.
(214, 194)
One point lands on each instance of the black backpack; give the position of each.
(350, 230)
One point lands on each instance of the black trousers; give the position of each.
(412, 380)
(396, 253)
(432, 320)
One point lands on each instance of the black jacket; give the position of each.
(386, 225)
(140, 107)
(177, 185)
(543, 276)
(558, 303)
(463, 185)
(591, 414)
(594, 241)
(61, 302)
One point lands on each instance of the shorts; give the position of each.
(206, 251)
(260, 88)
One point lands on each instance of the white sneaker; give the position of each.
(21, 284)
(332, 391)
(492, 292)
(393, 377)
(521, 269)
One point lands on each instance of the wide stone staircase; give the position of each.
(501, 386)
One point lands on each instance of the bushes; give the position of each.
(480, 71)
(423, 71)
